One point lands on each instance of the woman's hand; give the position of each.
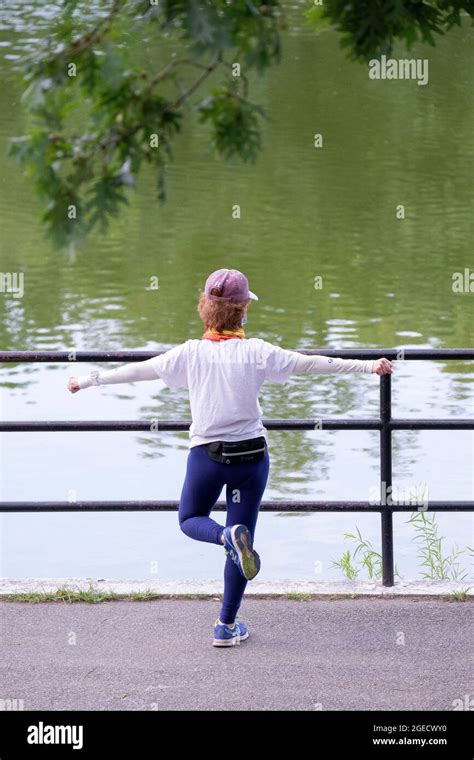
(73, 385)
(382, 367)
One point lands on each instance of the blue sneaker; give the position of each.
(238, 545)
(224, 636)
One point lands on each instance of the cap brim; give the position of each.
(253, 296)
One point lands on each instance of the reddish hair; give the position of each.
(221, 315)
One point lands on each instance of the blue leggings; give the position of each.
(202, 486)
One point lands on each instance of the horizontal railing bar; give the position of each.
(266, 506)
(157, 425)
(452, 423)
(173, 425)
(72, 356)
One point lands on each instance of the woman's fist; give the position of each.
(382, 367)
(73, 385)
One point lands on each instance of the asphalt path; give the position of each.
(345, 654)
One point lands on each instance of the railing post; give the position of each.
(386, 480)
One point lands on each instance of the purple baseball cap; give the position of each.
(233, 284)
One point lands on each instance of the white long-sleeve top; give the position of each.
(224, 380)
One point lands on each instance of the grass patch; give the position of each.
(299, 596)
(458, 596)
(94, 596)
(353, 595)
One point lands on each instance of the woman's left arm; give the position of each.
(327, 365)
(128, 373)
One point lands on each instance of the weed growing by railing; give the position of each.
(435, 564)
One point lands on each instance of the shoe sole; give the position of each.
(230, 642)
(249, 559)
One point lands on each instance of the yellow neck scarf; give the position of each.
(213, 334)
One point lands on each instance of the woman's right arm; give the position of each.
(128, 373)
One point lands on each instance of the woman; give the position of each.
(224, 372)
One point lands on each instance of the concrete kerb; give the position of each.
(211, 588)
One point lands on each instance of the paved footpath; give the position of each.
(346, 654)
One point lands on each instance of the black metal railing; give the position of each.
(385, 424)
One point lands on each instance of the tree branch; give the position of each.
(117, 138)
(187, 93)
(90, 38)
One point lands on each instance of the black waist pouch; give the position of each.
(233, 452)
